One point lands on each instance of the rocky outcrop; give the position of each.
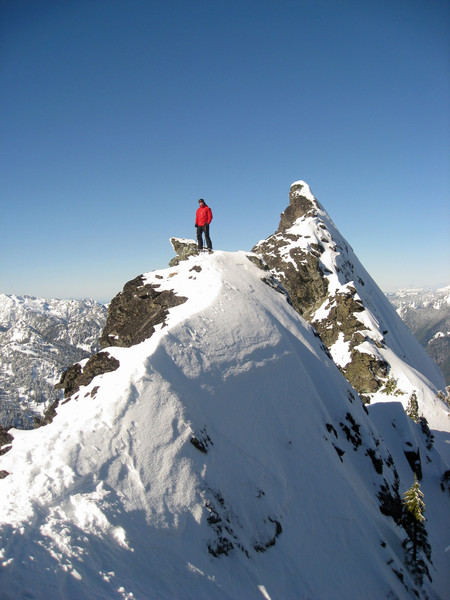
(134, 313)
(301, 204)
(314, 264)
(76, 375)
(132, 317)
(365, 372)
(183, 248)
(303, 279)
(342, 310)
(139, 307)
(298, 269)
(5, 440)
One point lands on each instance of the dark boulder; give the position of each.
(76, 375)
(5, 441)
(134, 312)
(183, 249)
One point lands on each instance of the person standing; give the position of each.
(203, 218)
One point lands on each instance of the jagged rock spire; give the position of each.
(330, 288)
(301, 203)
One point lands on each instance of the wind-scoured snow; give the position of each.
(226, 458)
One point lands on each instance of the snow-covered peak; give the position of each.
(329, 286)
(301, 188)
(225, 457)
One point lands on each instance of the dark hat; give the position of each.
(201, 200)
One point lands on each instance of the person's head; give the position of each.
(201, 202)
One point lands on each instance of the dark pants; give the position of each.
(200, 230)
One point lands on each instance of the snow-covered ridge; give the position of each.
(226, 457)
(302, 188)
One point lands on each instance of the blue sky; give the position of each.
(117, 115)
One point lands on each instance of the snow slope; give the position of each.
(227, 458)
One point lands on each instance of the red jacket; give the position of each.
(203, 216)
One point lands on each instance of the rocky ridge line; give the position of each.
(326, 284)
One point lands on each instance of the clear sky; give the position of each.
(117, 115)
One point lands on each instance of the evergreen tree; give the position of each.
(412, 410)
(416, 544)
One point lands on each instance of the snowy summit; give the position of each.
(214, 449)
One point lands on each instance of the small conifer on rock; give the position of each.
(416, 544)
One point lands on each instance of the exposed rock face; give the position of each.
(365, 372)
(301, 204)
(342, 315)
(326, 284)
(132, 317)
(134, 312)
(183, 249)
(77, 375)
(299, 270)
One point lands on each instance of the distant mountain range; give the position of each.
(427, 314)
(39, 338)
